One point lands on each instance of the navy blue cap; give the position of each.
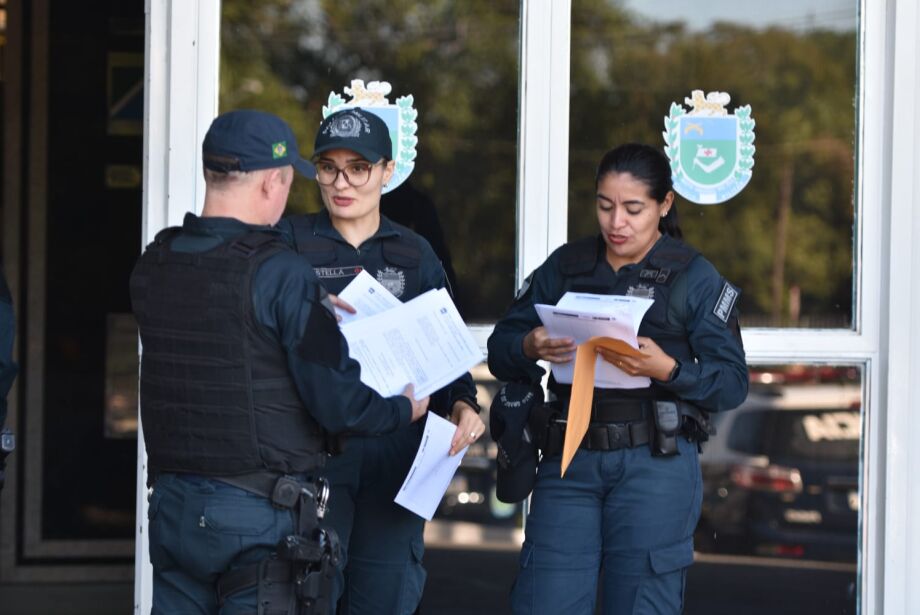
(248, 140)
(355, 129)
(517, 451)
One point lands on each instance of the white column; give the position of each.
(543, 153)
(901, 593)
(180, 100)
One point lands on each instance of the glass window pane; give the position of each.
(474, 538)
(780, 517)
(787, 239)
(85, 283)
(460, 62)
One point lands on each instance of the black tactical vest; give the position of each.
(216, 395)
(654, 278)
(336, 263)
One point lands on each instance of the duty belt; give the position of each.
(616, 423)
(300, 571)
(599, 437)
(284, 491)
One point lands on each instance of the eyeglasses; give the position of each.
(356, 173)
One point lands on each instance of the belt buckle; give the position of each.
(617, 436)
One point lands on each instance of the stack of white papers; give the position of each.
(367, 296)
(423, 341)
(582, 316)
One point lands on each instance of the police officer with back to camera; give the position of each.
(626, 509)
(244, 373)
(8, 371)
(383, 542)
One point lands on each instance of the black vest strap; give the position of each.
(249, 244)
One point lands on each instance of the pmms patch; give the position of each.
(726, 302)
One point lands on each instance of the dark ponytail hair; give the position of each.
(650, 166)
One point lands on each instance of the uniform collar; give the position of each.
(323, 227)
(602, 251)
(225, 228)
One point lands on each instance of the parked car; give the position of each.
(781, 476)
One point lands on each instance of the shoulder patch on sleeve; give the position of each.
(726, 302)
(525, 286)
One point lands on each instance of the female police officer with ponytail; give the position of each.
(627, 506)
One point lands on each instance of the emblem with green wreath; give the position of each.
(711, 151)
(399, 118)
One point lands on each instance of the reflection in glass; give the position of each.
(121, 369)
(88, 480)
(471, 495)
(458, 59)
(787, 239)
(474, 539)
(781, 493)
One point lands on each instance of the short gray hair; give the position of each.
(223, 180)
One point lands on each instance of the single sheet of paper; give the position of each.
(631, 309)
(367, 296)
(423, 341)
(612, 316)
(432, 470)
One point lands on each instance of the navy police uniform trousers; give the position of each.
(384, 542)
(200, 528)
(623, 512)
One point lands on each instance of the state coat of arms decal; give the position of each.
(399, 118)
(711, 151)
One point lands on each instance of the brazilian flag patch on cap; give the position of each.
(279, 150)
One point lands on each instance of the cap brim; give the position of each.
(364, 152)
(305, 168)
(514, 483)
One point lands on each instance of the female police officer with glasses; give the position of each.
(384, 542)
(627, 506)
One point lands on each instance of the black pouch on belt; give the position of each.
(666, 418)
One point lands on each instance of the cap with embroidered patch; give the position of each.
(249, 140)
(517, 452)
(357, 130)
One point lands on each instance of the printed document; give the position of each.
(432, 469)
(423, 341)
(367, 296)
(582, 316)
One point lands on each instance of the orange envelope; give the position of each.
(583, 391)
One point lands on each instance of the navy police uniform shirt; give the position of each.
(715, 379)
(405, 277)
(283, 294)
